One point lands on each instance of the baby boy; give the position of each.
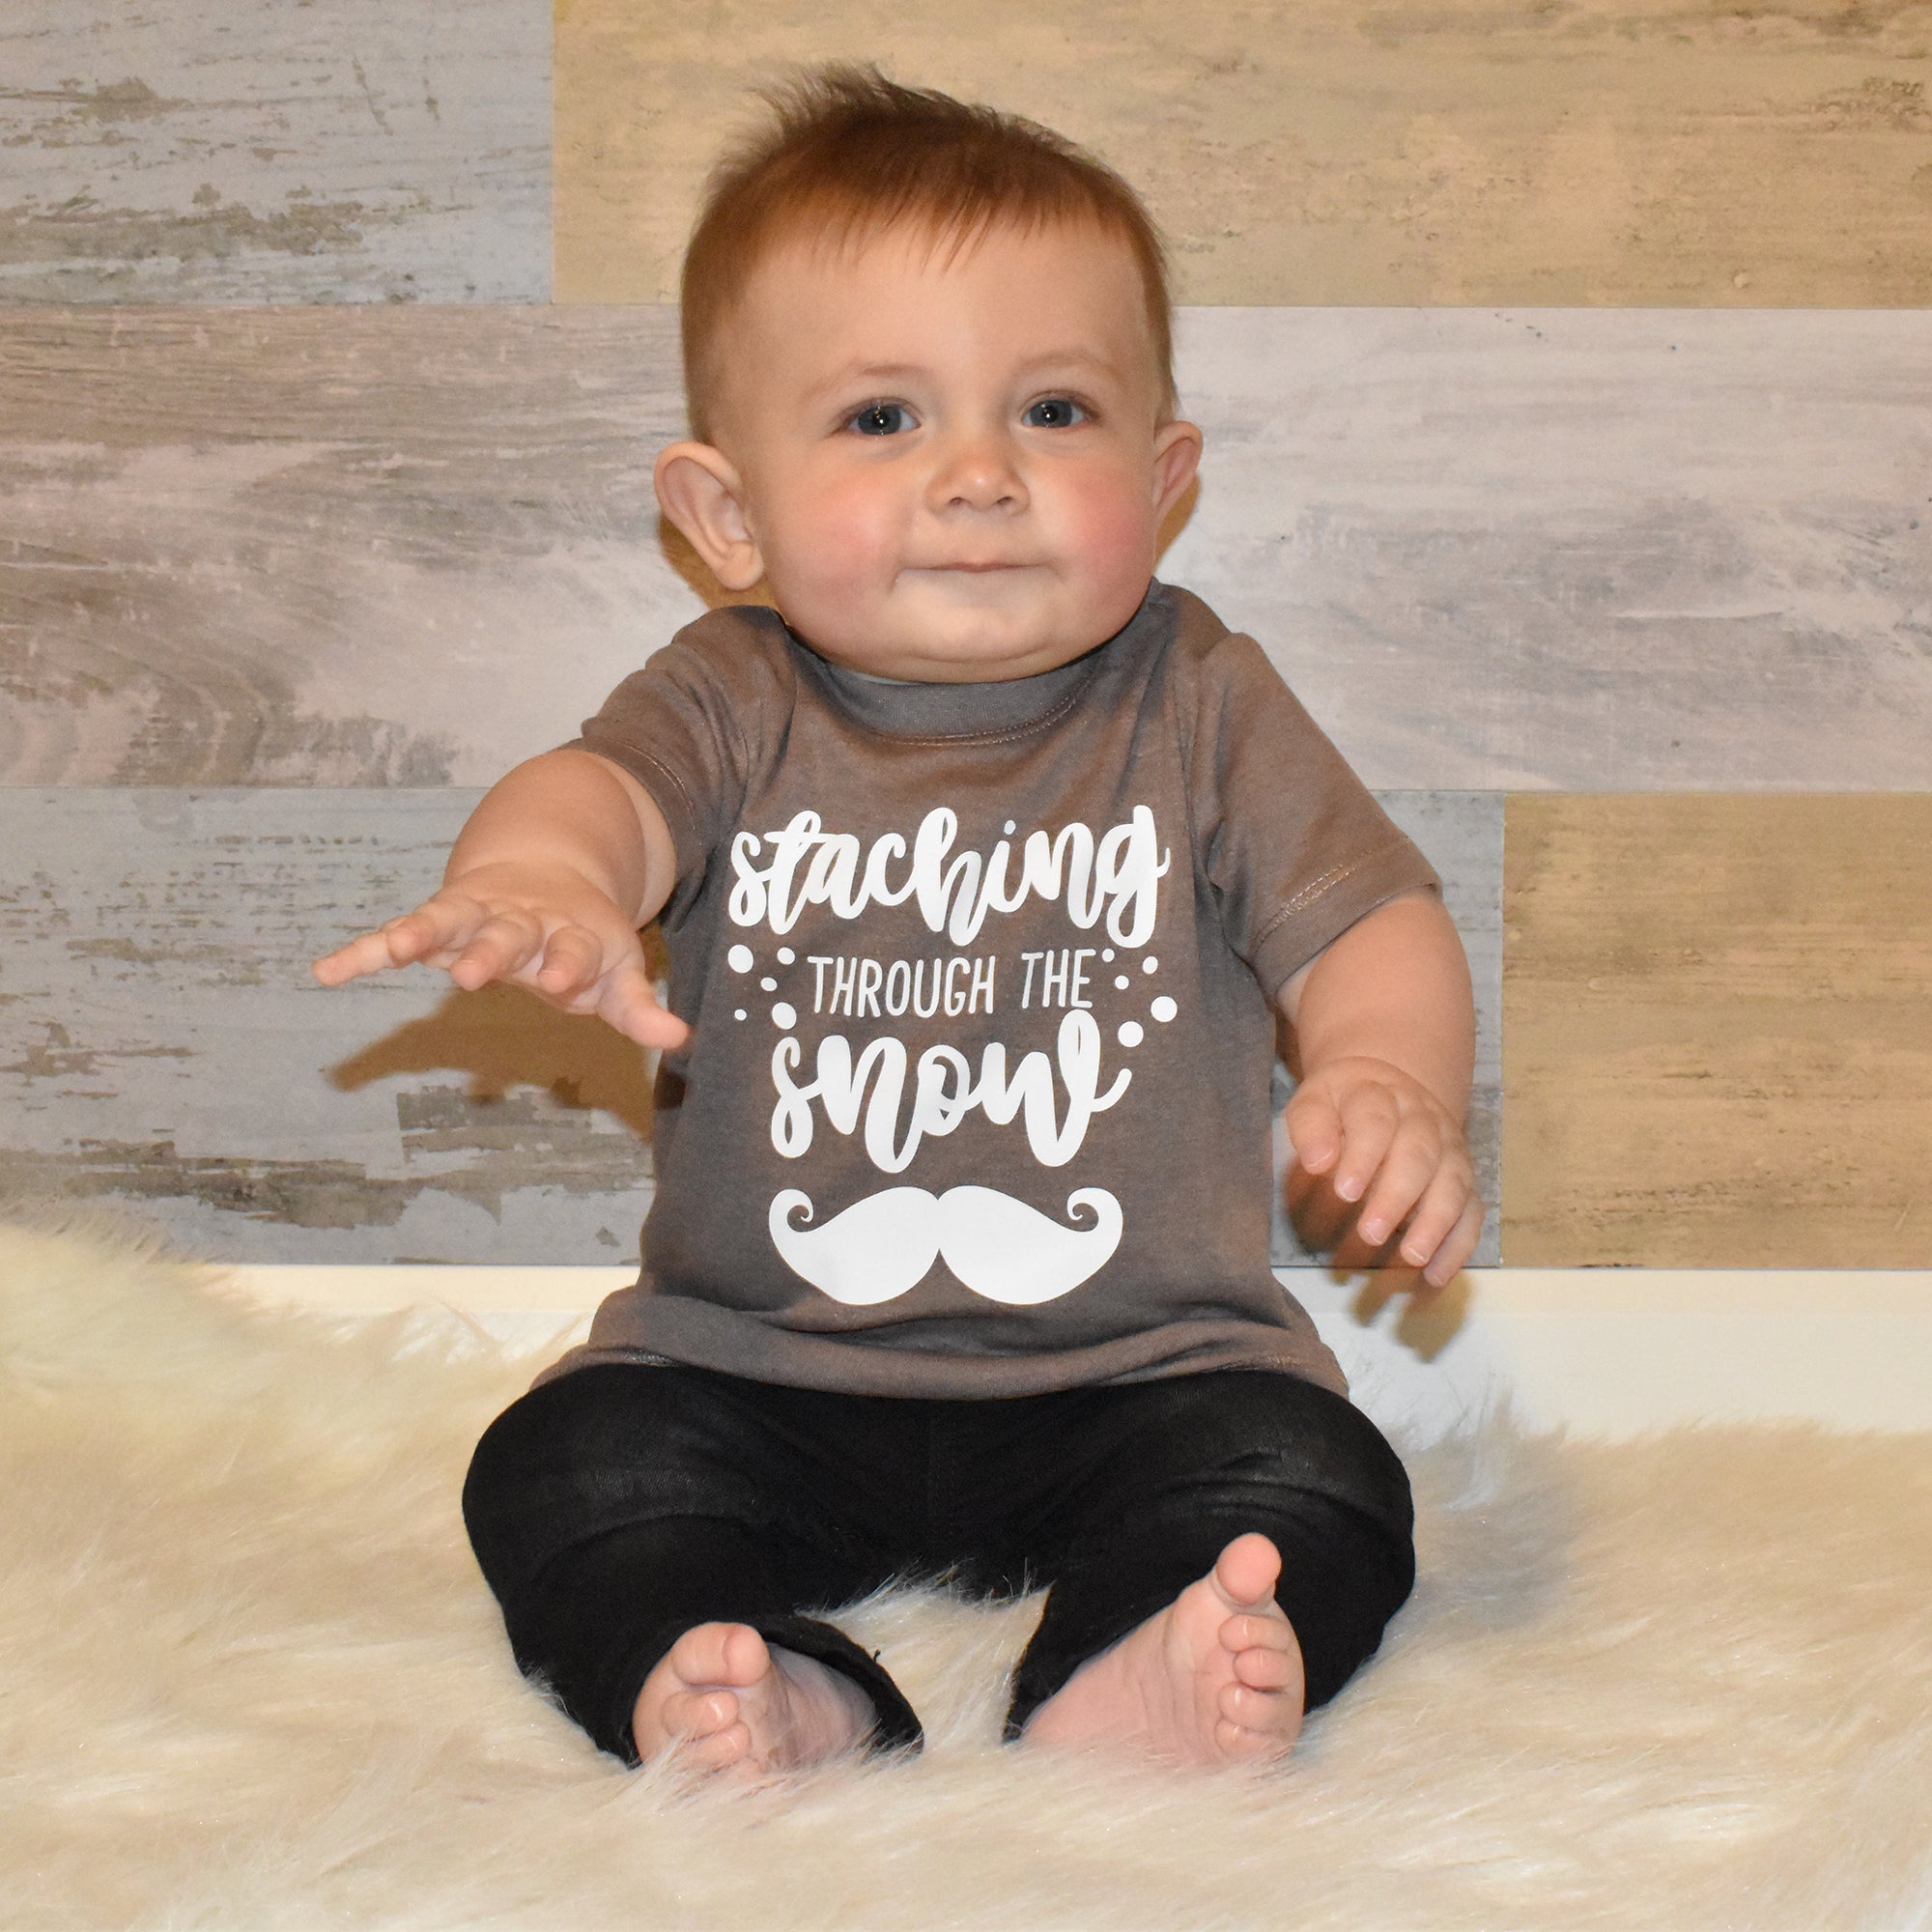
(986, 863)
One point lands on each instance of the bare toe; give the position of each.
(1246, 1571)
(1266, 1670)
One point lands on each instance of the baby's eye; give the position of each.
(881, 420)
(1054, 412)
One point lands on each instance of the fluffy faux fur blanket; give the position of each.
(251, 1679)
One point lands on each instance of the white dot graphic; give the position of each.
(740, 1014)
(1009, 825)
(783, 1017)
(768, 985)
(1122, 983)
(1149, 964)
(786, 955)
(739, 959)
(1163, 1010)
(1132, 1034)
(1106, 955)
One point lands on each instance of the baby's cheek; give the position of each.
(840, 541)
(1115, 537)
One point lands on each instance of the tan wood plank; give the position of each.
(1340, 151)
(251, 151)
(1613, 550)
(1717, 1026)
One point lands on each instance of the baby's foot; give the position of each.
(726, 1700)
(1213, 1677)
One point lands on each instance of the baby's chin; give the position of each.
(950, 637)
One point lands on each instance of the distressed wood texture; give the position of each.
(163, 1048)
(1585, 551)
(1600, 151)
(1579, 550)
(255, 151)
(1718, 1017)
(166, 1048)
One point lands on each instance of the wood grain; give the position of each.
(162, 1045)
(367, 546)
(1717, 1016)
(250, 150)
(163, 1048)
(1579, 151)
(1579, 550)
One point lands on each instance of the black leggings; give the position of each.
(617, 1506)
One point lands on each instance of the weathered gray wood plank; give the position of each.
(359, 546)
(253, 151)
(1576, 550)
(163, 1048)
(1620, 550)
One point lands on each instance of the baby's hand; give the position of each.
(1386, 1141)
(544, 927)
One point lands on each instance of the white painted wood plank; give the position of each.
(1637, 550)
(1617, 1352)
(253, 151)
(1587, 550)
(1611, 1353)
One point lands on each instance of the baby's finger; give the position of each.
(1313, 1130)
(630, 1004)
(401, 941)
(1369, 1120)
(367, 953)
(502, 946)
(572, 959)
(1438, 1213)
(1411, 1164)
(1453, 1256)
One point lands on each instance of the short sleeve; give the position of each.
(1292, 843)
(687, 725)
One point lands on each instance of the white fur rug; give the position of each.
(249, 1678)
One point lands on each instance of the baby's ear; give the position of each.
(1176, 456)
(702, 494)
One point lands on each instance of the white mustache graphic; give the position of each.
(1000, 1248)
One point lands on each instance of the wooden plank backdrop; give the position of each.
(162, 1045)
(253, 151)
(1718, 1012)
(1581, 550)
(1641, 516)
(1341, 151)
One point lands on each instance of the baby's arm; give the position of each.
(1386, 1031)
(559, 864)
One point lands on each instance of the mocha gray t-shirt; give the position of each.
(982, 980)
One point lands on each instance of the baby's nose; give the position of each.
(980, 472)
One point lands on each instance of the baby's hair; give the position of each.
(849, 153)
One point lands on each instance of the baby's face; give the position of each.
(953, 468)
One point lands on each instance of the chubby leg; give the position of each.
(1226, 1550)
(650, 1533)
(1214, 1677)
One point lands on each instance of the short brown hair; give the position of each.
(853, 153)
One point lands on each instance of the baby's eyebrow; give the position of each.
(881, 375)
(1054, 361)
